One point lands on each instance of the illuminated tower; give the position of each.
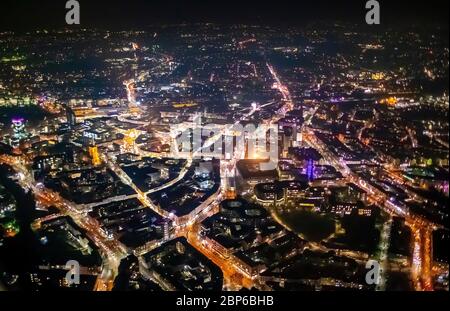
(166, 231)
(19, 133)
(71, 118)
(93, 152)
(310, 170)
(230, 183)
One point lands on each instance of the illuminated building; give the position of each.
(390, 101)
(280, 192)
(310, 170)
(17, 101)
(166, 230)
(182, 267)
(290, 129)
(288, 137)
(230, 188)
(71, 117)
(185, 104)
(129, 140)
(343, 209)
(45, 164)
(286, 170)
(93, 152)
(251, 172)
(19, 133)
(268, 192)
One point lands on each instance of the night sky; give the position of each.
(34, 14)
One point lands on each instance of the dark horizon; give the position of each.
(30, 15)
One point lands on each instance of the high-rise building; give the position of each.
(290, 129)
(19, 132)
(93, 152)
(287, 130)
(166, 230)
(230, 183)
(297, 114)
(71, 118)
(310, 170)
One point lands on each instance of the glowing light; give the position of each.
(310, 169)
